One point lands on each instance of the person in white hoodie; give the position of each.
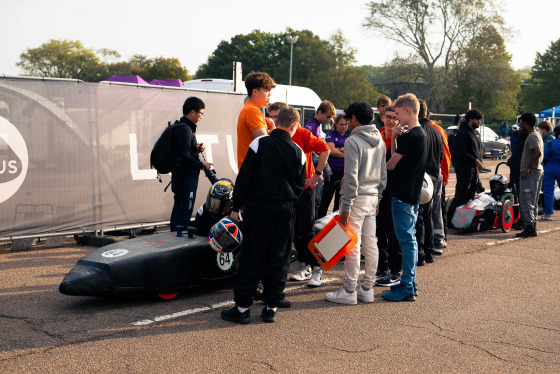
(365, 177)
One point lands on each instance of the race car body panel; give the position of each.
(159, 263)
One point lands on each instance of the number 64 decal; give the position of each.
(225, 261)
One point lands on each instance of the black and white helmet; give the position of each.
(498, 184)
(219, 201)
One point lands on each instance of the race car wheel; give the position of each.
(506, 216)
(166, 296)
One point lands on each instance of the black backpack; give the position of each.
(161, 157)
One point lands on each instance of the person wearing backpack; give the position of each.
(187, 165)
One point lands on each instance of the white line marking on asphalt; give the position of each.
(502, 241)
(207, 308)
(514, 239)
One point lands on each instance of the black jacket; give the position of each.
(273, 171)
(468, 148)
(435, 149)
(517, 150)
(187, 163)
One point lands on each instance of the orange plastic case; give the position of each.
(332, 243)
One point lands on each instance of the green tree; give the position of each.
(258, 51)
(436, 31)
(543, 87)
(164, 68)
(70, 59)
(120, 68)
(61, 59)
(487, 81)
(345, 85)
(375, 74)
(322, 65)
(524, 74)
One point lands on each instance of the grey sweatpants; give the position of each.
(529, 197)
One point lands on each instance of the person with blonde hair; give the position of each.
(408, 163)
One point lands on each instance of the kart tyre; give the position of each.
(506, 216)
(166, 296)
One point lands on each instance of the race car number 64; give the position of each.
(225, 261)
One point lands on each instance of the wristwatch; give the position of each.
(319, 173)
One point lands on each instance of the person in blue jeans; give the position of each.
(551, 173)
(408, 162)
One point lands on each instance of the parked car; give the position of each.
(492, 144)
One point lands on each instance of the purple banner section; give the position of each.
(126, 79)
(167, 82)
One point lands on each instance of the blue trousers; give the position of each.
(551, 177)
(404, 221)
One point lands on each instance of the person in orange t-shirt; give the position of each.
(251, 123)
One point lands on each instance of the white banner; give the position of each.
(75, 156)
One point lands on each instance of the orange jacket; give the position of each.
(446, 153)
(309, 143)
(386, 140)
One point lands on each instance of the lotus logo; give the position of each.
(14, 160)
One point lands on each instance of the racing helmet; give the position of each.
(427, 189)
(219, 196)
(225, 236)
(498, 184)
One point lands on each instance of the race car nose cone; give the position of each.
(87, 280)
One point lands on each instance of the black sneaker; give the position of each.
(528, 232)
(234, 315)
(284, 303)
(268, 315)
(429, 259)
(421, 263)
(517, 225)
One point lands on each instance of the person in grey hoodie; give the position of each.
(365, 177)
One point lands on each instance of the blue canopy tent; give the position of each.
(548, 112)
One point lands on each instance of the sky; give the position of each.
(191, 29)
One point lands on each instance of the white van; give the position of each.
(304, 99)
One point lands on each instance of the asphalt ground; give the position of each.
(489, 304)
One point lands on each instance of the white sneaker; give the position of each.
(365, 296)
(303, 273)
(342, 297)
(547, 217)
(316, 277)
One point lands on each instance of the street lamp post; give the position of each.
(292, 40)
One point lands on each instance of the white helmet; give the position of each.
(427, 190)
